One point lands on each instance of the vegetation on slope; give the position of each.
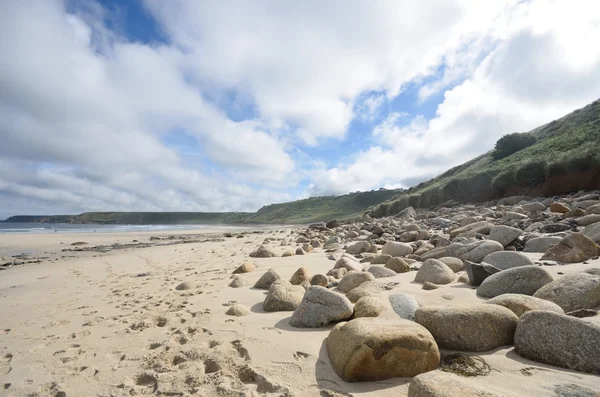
(565, 157)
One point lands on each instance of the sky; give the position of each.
(193, 105)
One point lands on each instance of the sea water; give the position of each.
(42, 228)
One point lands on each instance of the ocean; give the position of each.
(42, 228)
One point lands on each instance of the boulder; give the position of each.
(184, 286)
(443, 384)
(307, 247)
(406, 214)
(559, 340)
(368, 306)
(588, 219)
(504, 234)
(477, 272)
(353, 279)
(524, 280)
(573, 292)
(287, 254)
(576, 247)
(245, 267)
(541, 244)
(351, 234)
(469, 328)
(299, 251)
(237, 310)
(453, 263)
(265, 281)
(593, 209)
(555, 228)
(558, 207)
(301, 275)
(404, 305)
(348, 264)
(470, 230)
(319, 279)
(359, 248)
(332, 224)
(320, 307)
(283, 296)
(262, 252)
(535, 206)
(370, 349)
(381, 272)
(398, 265)
(380, 259)
(474, 251)
(593, 232)
(395, 248)
(507, 259)
(434, 271)
(237, 282)
(337, 273)
(370, 288)
(521, 304)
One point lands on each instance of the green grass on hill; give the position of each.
(565, 157)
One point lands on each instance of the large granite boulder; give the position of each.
(474, 251)
(541, 244)
(559, 340)
(265, 281)
(398, 265)
(471, 230)
(453, 263)
(507, 259)
(369, 288)
(404, 305)
(372, 349)
(434, 271)
(360, 247)
(559, 207)
(469, 328)
(368, 306)
(395, 248)
(245, 267)
(262, 252)
(380, 259)
(477, 272)
(283, 296)
(535, 206)
(573, 292)
(593, 232)
(381, 271)
(320, 307)
(348, 264)
(353, 279)
(521, 304)
(524, 280)
(301, 275)
(576, 247)
(443, 384)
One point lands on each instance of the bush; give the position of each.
(531, 173)
(512, 143)
(502, 182)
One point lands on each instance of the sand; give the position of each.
(113, 324)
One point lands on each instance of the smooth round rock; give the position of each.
(320, 307)
(521, 304)
(404, 305)
(574, 292)
(395, 248)
(524, 280)
(353, 279)
(435, 271)
(283, 296)
(237, 310)
(265, 281)
(507, 260)
(453, 263)
(368, 306)
(381, 272)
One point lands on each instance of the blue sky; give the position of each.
(184, 105)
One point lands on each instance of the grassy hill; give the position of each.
(564, 158)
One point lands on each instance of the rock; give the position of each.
(237, 282)
(469, 328)
(287, 254)
(514, 216)
(541, 244)
(319, 279)
(504, 234)
(353, 279)
(283, 297)
(573, 390)
(262, 252)
(398, 265)
(588, 219)
(184, 286)
(524, 280)
(477, 273)
(320, 307)
(307, 247)
(348, 264)
(301, 240)
(351, 234)
(578, 291)
(436, 272)
(593, 209)
(593, 232)
(370, 288)
(521, 304)
(404, 305)
(299, 251)
(237, 310)
(265, 281)
(559, 340)
(301, 275)
(406, 214)
(555, 228)
(473, 252)
(381, 272)
(368, 349)
(395, 248)
(507, 259)
(337, 273)
(453, 263)
(315, 243)
(245, 267)
(443, 384)
(368, 306)
(536, 206)
(378, 230)
(582, 313)
(359, 248)
(380, 259)
(332, 224)
(574, 213)
(558, 207)
(428, 286)
(574, 248)
(482, 227)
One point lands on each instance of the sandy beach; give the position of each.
(113, 324)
